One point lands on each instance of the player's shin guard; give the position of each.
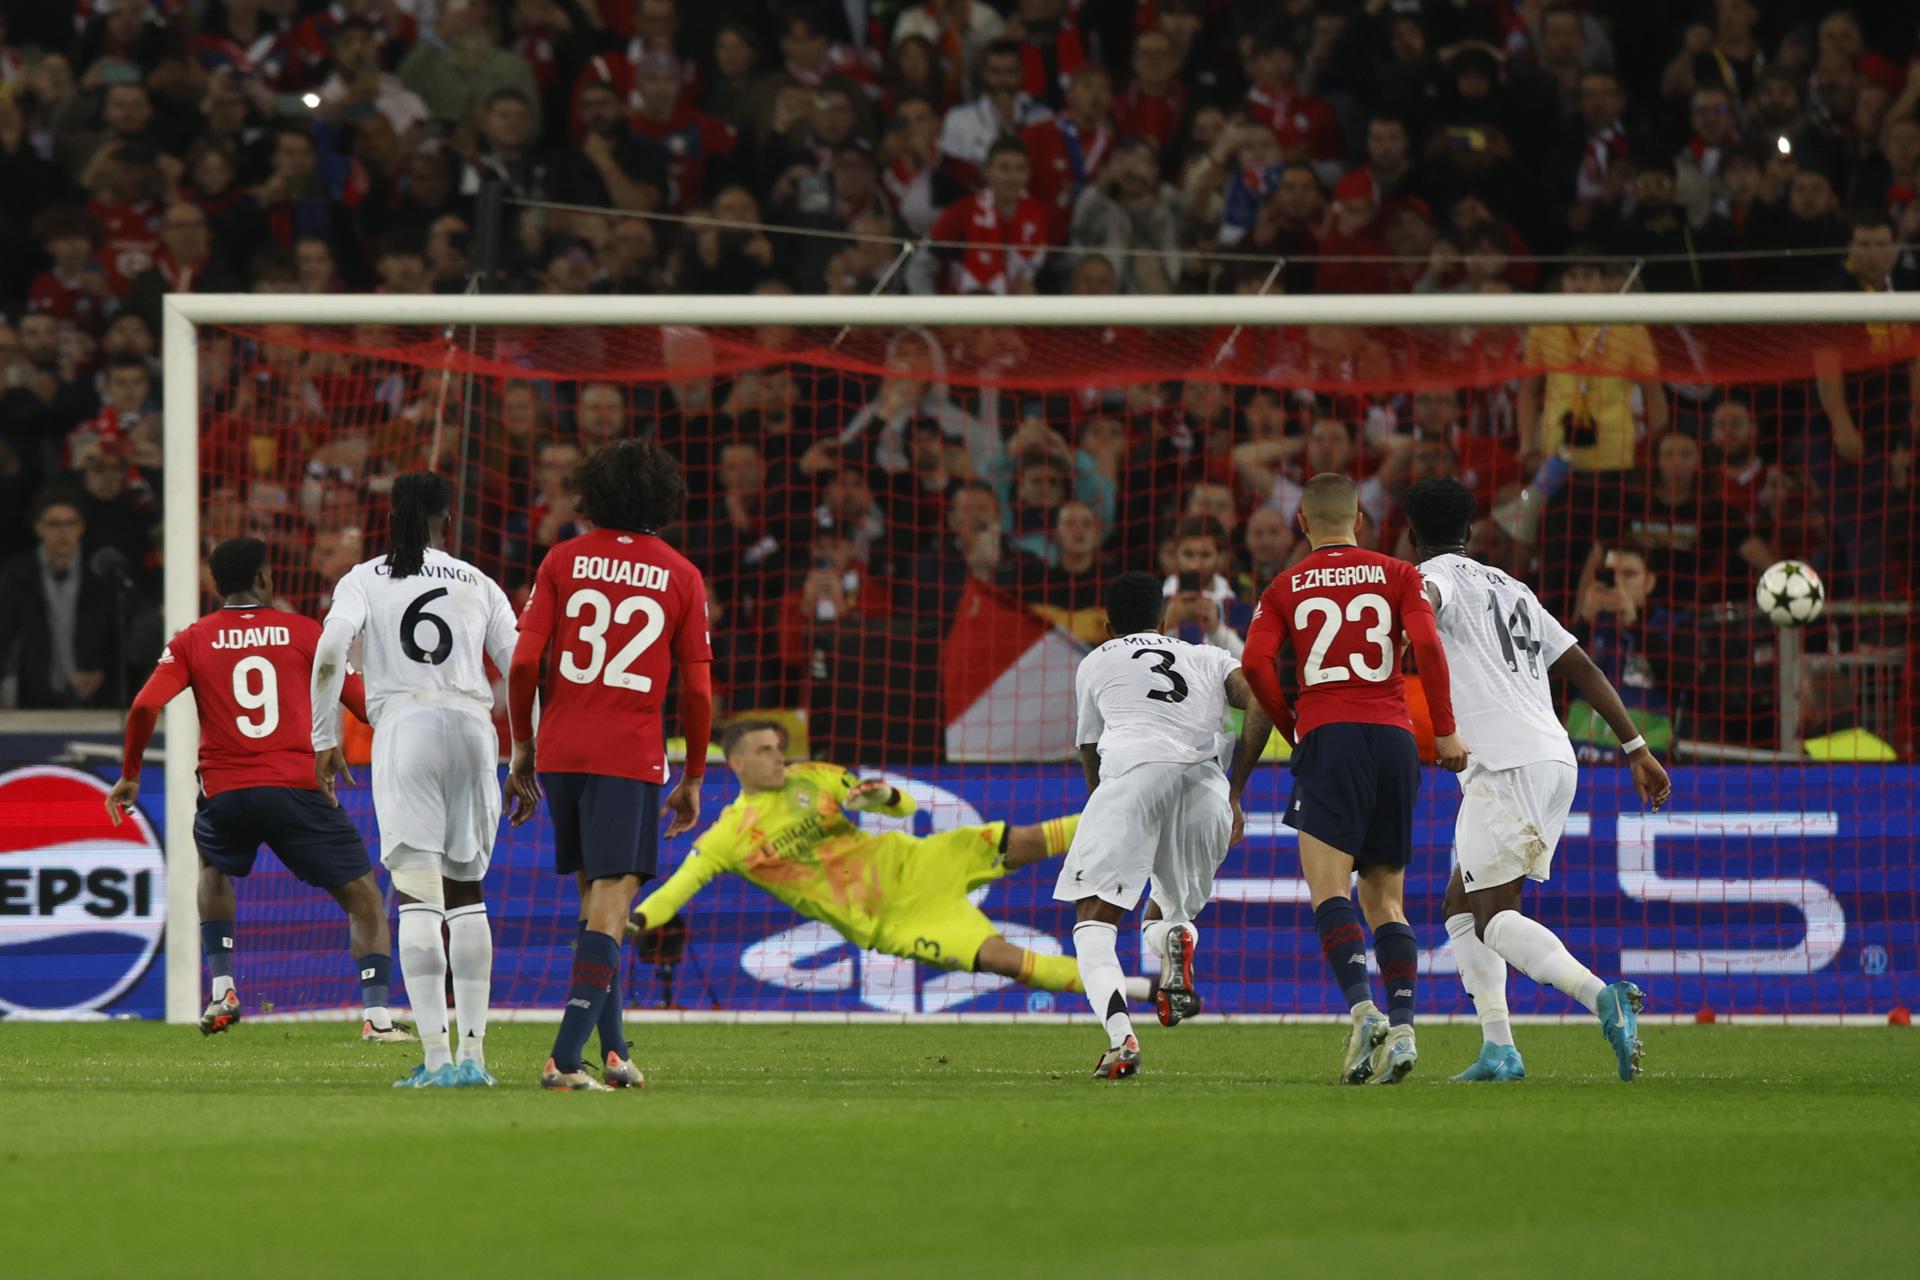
(376, 987)
(216, 943)
(1344, 944)
(1096, 949)
(1050, 973)
(596, 963)
(423, 962)
(470, 955)
(1484, 974)
(1399, 954)
(611, 1026)
(1537, 951)
(1058, 833)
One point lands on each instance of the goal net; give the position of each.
(907, 511)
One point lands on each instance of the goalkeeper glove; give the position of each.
(871, 795)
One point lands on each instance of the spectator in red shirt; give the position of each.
(125, 387)
(692, 140)
(1155, 102)
(125, 182)
(185, 264)
(74, 289)
(1305, 125)
(1354, 233)
(1004, 228)
(1068, 151)
(1052, 48)
(1739, 473)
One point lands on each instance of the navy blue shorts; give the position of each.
(315, 840)
(1354, 787)
(607, 827)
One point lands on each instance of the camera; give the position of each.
(1579, 429)
(1192, 583)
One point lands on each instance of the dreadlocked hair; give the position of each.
(419, 498)
(1440, 509)
(631, 485)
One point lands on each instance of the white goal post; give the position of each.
(184, 313)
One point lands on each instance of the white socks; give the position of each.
(470, 950)
(1484, 974)
(423, 963)
(1096, 948)
(1534, 950)
(222, 985)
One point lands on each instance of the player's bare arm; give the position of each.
(335, 684)
(523, 679)
(696, 703)
(1090, 764)
(1649, 775)
(1255, 729)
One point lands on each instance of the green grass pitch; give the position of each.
(921, 1152)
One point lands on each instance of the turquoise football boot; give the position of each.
(444, 1076)
(1619, 1013)
(1497, 1062)
(472, 1075)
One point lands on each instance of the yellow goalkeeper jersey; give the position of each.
(800, 846)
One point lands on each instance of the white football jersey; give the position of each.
(429, 632)
(1499, 644)
(1151, 699)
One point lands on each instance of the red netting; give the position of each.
(906, 534)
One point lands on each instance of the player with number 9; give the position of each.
(612, 611)
(248, 665)
(1356, 770)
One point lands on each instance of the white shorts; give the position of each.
(436, 789)
(1510, 821)
(1169, 822)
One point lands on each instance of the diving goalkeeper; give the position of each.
(789, 832)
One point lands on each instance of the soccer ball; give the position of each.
(1791, 594)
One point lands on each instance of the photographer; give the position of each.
(1198, 592)
(1630, 637)
(1038, 472)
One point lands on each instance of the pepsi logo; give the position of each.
(82, 902)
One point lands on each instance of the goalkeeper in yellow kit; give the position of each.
(790, 833)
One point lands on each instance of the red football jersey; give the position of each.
(251, 672)
(1346, 609)
(1006, 250)
(131, 238)
(619, 609)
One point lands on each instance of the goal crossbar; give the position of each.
(1037, 311)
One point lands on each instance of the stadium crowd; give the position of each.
(1084, 146)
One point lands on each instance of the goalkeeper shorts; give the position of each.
(928, 916)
